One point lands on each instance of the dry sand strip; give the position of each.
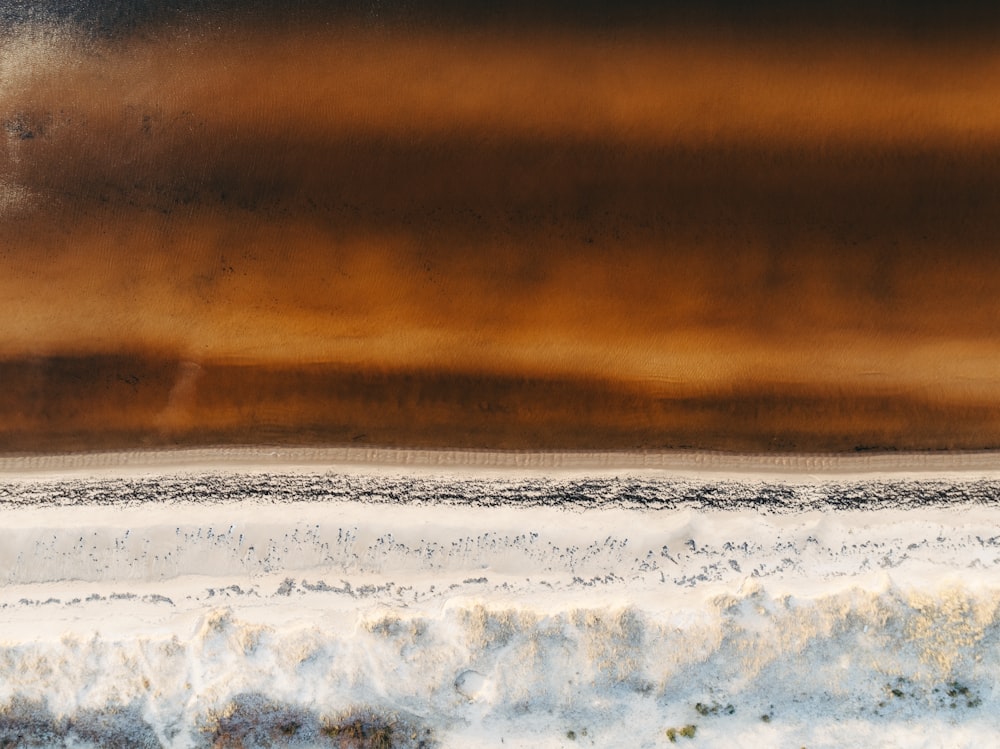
(802, 467)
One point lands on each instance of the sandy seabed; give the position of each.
(271, 596)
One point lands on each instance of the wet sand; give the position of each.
(500, 239)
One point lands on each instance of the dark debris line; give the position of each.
(577, 493)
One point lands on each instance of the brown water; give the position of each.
(500, 238)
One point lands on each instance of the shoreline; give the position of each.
(257, 458)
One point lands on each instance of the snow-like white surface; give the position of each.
(507, 625)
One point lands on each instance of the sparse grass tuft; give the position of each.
(368, 729)
(357, 732)
(687, 732)
(252, 721)
(952, 695)
(959, 692)
(956, 688)
(714, 709)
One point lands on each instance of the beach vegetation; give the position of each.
(714, 709)
(251, 720)
(688, 732)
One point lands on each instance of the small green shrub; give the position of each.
(714, 709)
(687, 732)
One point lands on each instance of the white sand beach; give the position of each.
(612, 606)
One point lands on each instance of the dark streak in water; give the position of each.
(89, 403)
